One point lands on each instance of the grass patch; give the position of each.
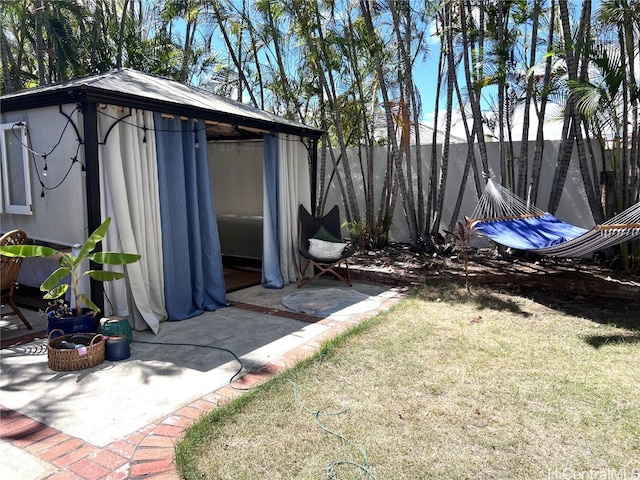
(447, 384)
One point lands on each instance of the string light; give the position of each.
(45, 156)
(74, 159)
(294, 138)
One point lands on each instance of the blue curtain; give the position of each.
(194, 277)
(271, 274)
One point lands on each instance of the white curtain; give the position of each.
(129, 195)
(294, 189)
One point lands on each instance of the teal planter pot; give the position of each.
(111, 326)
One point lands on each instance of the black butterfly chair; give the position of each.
(310, 227)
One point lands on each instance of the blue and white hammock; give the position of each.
(508, 220)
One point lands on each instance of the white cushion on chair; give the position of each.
(324, 250)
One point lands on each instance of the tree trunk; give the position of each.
(444, 160)
(254, 50)
(411, 110)
(39, 39)
(289, 97)
(407, 200)
(433, 174)
(368, 137)
(568, 128)
(314, 41)
(523, 170)
(10, 69)
(473, 94)
(574, 116)
(123, 22)
(536, 165)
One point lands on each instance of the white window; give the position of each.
(16, 181)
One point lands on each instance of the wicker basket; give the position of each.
(66, 360)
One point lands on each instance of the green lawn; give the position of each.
(446, 385)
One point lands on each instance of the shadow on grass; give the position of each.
(598, 341)
(488, 300)
(605, 311)
(484, 298)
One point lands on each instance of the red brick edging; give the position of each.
(149, 452)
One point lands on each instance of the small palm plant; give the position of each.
(55, 286)
(464, 235)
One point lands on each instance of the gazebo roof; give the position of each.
(125, 87)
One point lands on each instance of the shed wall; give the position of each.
(59, 216)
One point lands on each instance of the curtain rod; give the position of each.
(172, 116)
(236, 126)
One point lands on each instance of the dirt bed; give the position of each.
(573, 278)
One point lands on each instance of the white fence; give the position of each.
(573, 207)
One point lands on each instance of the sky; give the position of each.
(424, 74)
(425, 79)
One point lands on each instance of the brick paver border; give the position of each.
(149, 452)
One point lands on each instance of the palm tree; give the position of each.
(573, 122)
(546, 82)
(12, 45)
(448, 27)
(609, 106)
(38, 8)
(225, 27)
(403, 16)
(523, 170)
(407, 199)
(475, 83)
(620, 93)
(310, 27)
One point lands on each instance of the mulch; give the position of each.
(397, 263)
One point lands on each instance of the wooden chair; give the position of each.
(9, 273)
(326, 228)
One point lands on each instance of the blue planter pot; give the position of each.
(86, 323)
(117, 348)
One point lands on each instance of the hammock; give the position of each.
(509, 220)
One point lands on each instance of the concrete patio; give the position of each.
(122, 419)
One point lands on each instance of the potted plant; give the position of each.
(81, 318)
